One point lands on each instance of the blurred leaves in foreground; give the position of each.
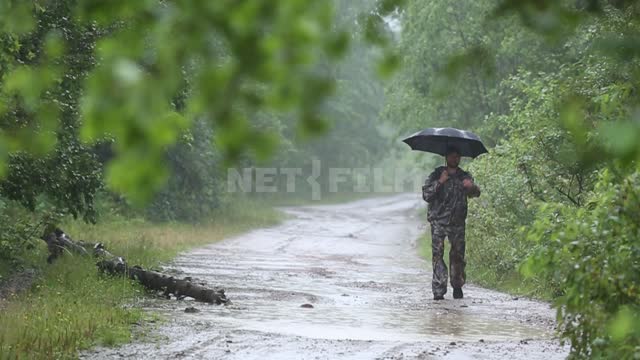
(143, 71)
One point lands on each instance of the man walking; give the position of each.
(446, 191)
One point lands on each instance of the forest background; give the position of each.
(128, 115)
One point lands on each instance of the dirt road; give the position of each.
(366, 294)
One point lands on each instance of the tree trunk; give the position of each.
(58, 242)
(154, 280)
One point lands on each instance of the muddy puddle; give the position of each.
(333, 282)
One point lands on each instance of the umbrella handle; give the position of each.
(445, 153)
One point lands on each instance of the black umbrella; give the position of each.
(438, 140)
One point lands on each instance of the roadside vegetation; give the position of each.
(483, 274)
(119, 136)
(70, 306)
(102, 120)
(552, 88)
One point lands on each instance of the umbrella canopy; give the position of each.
(438, 140)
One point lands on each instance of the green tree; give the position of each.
(559, 104)
(38, 116)
(237, 58)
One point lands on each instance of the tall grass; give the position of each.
(72, 307)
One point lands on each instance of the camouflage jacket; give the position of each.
(448, 201)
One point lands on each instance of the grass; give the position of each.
(148, 244)
(69, 309)
(5, 269)
(482, 274)
(72, 307)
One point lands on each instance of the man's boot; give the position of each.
(457, 293)
(438, 297)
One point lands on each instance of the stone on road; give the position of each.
(339, 282)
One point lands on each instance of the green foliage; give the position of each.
(593, 254)
(560, 184)
(454, 61)
(160, 117)
(53, 321)
(236, 58)
(352, 135)
(44, 159)
(495, 241)
(14, 235)
(194, 188)
(67, 179)
(72, 307)
(354, 138)
(560, 128)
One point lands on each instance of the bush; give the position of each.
(593, 253)
(193, 190)
(17, 231)
(494, 219)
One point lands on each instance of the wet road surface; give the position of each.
(338, 282)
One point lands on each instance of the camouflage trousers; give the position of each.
(456, 257)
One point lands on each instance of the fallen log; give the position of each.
(58, 242)
(154, 280)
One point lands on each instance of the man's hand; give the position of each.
(467, 183)
(444, 177)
